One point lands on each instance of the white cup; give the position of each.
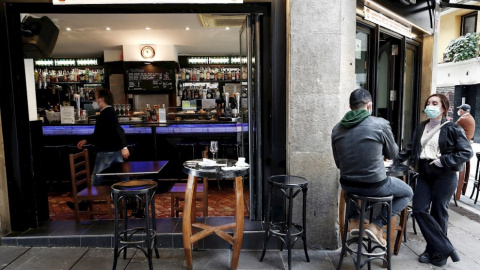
(241, 160)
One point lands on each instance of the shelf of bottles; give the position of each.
(211, 74)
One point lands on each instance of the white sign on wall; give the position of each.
(380, 19)
(99, 2)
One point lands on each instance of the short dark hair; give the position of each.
(359, 98)
(105, 94)
(443, 99)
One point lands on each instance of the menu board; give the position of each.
(150, 77)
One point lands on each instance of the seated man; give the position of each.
(360, 142)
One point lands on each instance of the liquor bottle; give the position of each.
(194, 75)
(229, 74)
(187, 75)
(154, 113)
(183, 74)
(209, 94)
(237, 75)
(202, 75)
(233, 105)
(225, 75)
(195, 93)
(212, 75)
(148, 113)
(244, 74)
(184, 94)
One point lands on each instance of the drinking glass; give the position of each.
(128, 109)
(122, 109)
(214, 148)
(115, 106)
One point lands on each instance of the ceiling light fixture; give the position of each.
(187, 28)
(68, 29)
(108, 29)
(147, 28)
(227, 28)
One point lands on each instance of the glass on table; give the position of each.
(214, 148)
(122, 109)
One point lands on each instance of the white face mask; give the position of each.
(432, 111)
(95, 105)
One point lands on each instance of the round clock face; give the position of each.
(148, 52)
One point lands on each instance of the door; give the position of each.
(389, 82)
(251, 83)
(410, 90)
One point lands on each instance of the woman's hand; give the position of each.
(437, 163)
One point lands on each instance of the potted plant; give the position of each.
(462, 48)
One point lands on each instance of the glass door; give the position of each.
(389, 77)
(410, 115)
(251, 84)
(362, 58)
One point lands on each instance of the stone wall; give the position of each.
(4, 209)
(320, 70)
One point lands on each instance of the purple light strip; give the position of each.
(173, 129)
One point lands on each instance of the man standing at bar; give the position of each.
(108, 138)
(360, 142)
(467, 122)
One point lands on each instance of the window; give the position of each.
(469, 23)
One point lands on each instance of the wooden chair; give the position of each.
(80, 175)
(177, 194)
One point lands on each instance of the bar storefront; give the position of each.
(170, 106)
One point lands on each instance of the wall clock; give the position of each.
(147, 52)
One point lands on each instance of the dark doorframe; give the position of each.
(20, 170)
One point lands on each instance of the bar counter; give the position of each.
(146, 141)
(174, 127)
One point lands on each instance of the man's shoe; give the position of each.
(376, 234)
(424, 257)
(441, 259)
(353, 227)
(82, 206)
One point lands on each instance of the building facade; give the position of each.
(321, 51)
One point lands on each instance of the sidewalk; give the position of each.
(464, 232)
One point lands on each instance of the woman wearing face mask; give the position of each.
(439, 149)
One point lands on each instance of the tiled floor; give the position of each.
(220, 203)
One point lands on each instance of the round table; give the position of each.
(195, 171)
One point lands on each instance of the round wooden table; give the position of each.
(225, 168)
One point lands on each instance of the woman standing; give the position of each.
(439, 149)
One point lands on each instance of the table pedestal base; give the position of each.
(189, 221)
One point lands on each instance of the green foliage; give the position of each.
(463, 48)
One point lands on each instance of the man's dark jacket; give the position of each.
(108, 135)
(359, 151)
(454, 146)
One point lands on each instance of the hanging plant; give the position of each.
(462, 48)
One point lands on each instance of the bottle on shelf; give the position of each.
(225, 75)
(229, 74)
(195, 93)
(154, 113)
(148, 113)
(187, 75)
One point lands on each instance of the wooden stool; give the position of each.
(177, 194)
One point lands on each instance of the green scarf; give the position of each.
(353, 118)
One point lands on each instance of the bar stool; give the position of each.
(365, 204)
(286, 230)
(183, 148)
(144, 191)
(476, 184)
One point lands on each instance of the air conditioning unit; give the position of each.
(221, 20)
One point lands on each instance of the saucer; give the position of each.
(243, 164)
